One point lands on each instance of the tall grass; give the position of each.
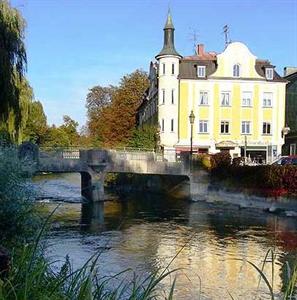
(289, 286)
(32, 277)
(18, 219)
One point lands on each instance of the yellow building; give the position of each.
(238, 101)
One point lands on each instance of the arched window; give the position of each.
(236, 70)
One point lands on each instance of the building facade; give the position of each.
(238, 101)
(290, 147)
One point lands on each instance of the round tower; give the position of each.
(168, 91)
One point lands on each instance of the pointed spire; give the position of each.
(168, 46)
(169, 23)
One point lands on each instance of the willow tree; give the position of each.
(13, 63)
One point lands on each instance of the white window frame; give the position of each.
(225, 121)
(233, 71)
(244, 98)
(172, 96)
(265, 100)
(293, 149)
(203, 123)
(269, 73)
(201, 71)
(163, 68)
(201, 97)
(172, 68)
(223, 93)
(245, 127)
(266, 133)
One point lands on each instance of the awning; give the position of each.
(226, 145)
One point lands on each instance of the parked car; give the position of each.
(286, 160)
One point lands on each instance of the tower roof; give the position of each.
(169, 23)
(168, 46)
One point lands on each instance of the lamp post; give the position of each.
(192, 120)
(285, 131)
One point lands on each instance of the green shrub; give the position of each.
(17, 211)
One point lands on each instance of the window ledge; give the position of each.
(247, 106)
(225, 133)
(226, 105)
(203, 105)
(203, 132)
(246, 133)
(266, 134)
(267, 106)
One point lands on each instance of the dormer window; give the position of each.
(269, 73)
(201, 71)
(236, 70)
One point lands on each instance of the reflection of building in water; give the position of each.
(222, 267)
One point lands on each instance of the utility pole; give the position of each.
(245, 148)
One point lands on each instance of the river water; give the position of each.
(144, 232)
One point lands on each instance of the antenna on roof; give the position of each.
(227, 35)
(194, 38)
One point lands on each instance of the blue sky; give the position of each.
(73, 45)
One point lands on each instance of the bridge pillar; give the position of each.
(92, 185)
(199, 183)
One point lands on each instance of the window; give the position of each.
(225, 127)
(266, 128)
(245, 127)
(163, 96)
(269, 73)
(201, 71)
(267, 99)
(172, 125)
(203, 126)
(292, 149)
(172, 69)
(203, 98)
(225, 99)
(246, 99)
(163, 125)
(172, 96)
(164, 68)
(236, 70)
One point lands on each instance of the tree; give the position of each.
(36, 126)
(70, 128)
(13, 62)
(99, 97)
(56, 137)
(111, 122)
(145, 137)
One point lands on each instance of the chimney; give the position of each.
(289, 70)
(200, 49)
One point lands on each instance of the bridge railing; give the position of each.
(124, 153)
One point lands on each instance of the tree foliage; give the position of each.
(36, 126)
(144, 137)
(112, 110)
(13, 62)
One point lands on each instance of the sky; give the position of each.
(73, 45)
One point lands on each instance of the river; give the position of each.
(144, 232)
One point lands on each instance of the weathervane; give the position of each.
(226, 32)
(194, 38)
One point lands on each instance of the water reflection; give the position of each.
(145, 232)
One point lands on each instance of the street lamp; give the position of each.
(286, 130)
(192, 120)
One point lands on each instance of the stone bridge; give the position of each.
(93, 164)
